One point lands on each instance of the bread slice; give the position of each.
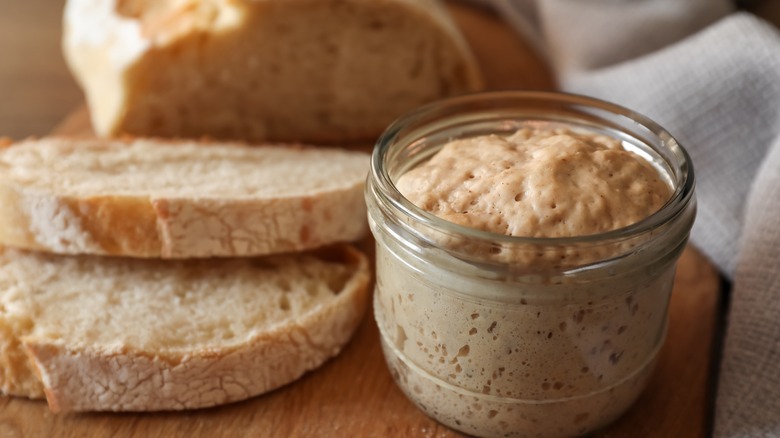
(150, 198)
(281, 70)
(117, 334)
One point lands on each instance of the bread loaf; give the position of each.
(281, 70)
(101, 333)
(150, 198)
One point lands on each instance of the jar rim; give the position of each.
(674, 206)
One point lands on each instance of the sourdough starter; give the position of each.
(545, 357)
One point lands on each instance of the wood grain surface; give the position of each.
(353, 395)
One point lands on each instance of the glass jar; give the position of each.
(496, 335)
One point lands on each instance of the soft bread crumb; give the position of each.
(160, 169)
(123, 334)
(155, 198)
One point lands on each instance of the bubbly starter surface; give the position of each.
(537, 183)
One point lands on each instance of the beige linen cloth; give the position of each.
(711, 76)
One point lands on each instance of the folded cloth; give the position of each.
(711, 76)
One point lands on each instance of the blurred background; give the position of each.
(36, 89)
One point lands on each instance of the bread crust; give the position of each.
(89, 378)
(120, 54)
(175, 228)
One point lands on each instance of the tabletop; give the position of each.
(353, 394)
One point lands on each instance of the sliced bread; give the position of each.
(150, 198)
(281, 70)
(113, 334)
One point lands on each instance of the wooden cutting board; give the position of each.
(354, 395)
